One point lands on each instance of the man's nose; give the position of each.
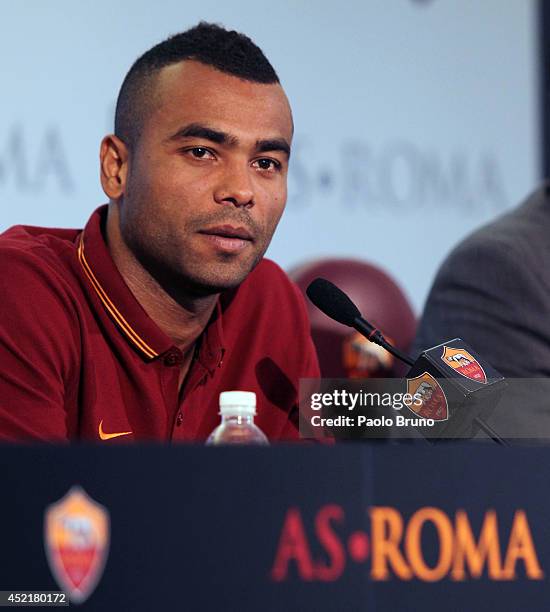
(235, 187)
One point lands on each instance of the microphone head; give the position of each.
(332, 301)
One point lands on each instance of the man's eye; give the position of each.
(200, 153)
(268, 164)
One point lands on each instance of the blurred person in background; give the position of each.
(493, 291)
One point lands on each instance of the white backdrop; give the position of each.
(416, 120)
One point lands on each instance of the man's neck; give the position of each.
(184, 320)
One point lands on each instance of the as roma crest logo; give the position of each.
(76, 538)
(464, 363)
(434, 403)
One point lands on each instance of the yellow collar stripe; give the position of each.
(121, 321)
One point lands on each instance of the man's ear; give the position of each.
(113, 158)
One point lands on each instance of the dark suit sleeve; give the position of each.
(488, 294)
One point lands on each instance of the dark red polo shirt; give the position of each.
(80, 358)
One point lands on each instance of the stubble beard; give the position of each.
(184, 274)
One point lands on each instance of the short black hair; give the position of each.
(208, 43)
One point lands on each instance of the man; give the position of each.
(130, 328)
(493, 291)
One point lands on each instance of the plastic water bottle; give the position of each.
(237, 409)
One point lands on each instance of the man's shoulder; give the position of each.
(518, 236)
(29, 238)
(28, 252)
(38, 240)
(519, 232)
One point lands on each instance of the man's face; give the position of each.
(206, 181)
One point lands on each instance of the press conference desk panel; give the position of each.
(353, 527)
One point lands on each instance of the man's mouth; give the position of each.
(228, 231)
(228, 237)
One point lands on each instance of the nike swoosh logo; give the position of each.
(108, 436)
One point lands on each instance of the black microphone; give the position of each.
(337, 305)
(465, 377)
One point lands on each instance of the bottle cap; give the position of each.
(238, 402)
